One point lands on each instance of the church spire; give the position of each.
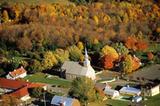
(86, 60)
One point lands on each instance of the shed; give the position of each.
(111, 92)
(65, 101)
(130, 91)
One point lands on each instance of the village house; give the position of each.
(64, 101)
(151, 89)
(111, 93)
(18, 88)
(17, 73)
(74, 69)
(127, 90)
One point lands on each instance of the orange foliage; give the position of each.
(130, 43)
(141, 45)
(108, 61)
(136, 44)
(150, 55)
(136, 63)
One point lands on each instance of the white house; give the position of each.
(18, 73)
(111, 92)
(130, 91)
(64, 101)
(74, 69)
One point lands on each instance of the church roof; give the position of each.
(74, 68)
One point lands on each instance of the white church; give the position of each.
(74, 69)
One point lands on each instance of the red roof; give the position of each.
(21, 87)
(11, 84)
(21, 92)
(17, 72)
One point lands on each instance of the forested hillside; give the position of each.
(43, 35)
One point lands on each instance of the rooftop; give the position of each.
(17, 72)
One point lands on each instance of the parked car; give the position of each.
(136, 99)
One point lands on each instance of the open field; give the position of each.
(42, 78)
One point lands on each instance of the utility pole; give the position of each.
(44, 98)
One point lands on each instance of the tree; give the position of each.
(108, 62)
(61, 55)
(74, 53)
(8, 100)
(80, 45)
(150, 55)
(83, 89)
(5, 17)
(35, 66)
(49, 60)
(121, 49)
(36, 92)
(24, 43)
(127, 64)
(108, 50)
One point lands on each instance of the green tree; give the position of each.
(49, 60)
(35, 66)
(74, 52)
(36, 92)
(120, 48)
(83, 89)
(127, 64)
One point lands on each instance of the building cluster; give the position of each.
(18, 88)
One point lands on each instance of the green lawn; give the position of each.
(42, 78)
(109, 102)
(153, 101)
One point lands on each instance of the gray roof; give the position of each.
(74, 68)
(56, 100)
(150, 72)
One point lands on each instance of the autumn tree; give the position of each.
(121, 49)
(80, 45)
(108, 62)
(35, 66)
(24, 44)
(130, 63)
(61, 55)
(5, 16)
(83, 89)
(150, 55)
(108, 50)
(127, 64)
(49, 60)
(8, 100)
(74, 53)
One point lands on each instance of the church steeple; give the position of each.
(86, 60)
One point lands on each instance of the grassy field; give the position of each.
(153, 101)
(42, 78)
(109, 102)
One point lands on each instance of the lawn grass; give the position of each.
(153, 101)
(42, 78)
(109, 102)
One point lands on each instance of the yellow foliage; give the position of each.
(95, 41)
(80, 46)
(96, 19)
(108, 50)
(158, 30)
